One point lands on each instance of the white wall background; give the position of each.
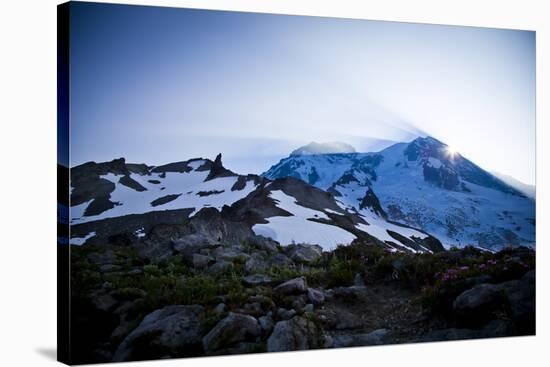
(28, 182)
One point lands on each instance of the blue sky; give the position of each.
(157, 85)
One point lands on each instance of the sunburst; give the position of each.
(452, 152)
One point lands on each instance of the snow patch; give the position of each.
(299, 228)
(79, 241)
(434, 162)
(140, 233)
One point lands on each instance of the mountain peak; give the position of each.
(425, 147)
(218, 170)
(428, 140)
(334, 147)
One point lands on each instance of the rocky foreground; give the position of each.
(256, 296)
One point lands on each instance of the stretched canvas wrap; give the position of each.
(234, 182)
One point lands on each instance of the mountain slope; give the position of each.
(526, 189)
(113, 198)
(425, 185)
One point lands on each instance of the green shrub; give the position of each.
(151, 270)
(341, 273)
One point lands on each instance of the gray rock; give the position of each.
(292, 286)
(255, 280)
(265, 302)
(284, 314)
(263, 243)
(315, 296)
(201, 261)
(376, 337)
(303, 253)
(220, 309)
(229, 253)
(477, 305)
(192, 243)
(172, 331)
(522, 301)
(266, 323)
(298, 304)
(231, 330)
(295, 334)
(281, 260)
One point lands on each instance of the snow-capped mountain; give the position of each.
(425, 185)
(324, 148)
(114, 198)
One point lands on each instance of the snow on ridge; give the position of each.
(187, 185)
(290, 204)
(379, 228)
(298, 228)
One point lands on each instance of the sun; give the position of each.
(451, 151)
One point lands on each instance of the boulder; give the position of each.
(284, 314)
(476, 306)
(295, 334)
(219, 309)
(233, 329)
(522, 302)
(281, 260)
(304, 254)
(229, 253)
(263, 243)
(174, 331)
(298, 304)
(315, 296)
(266, 302)
(292, 286)
(192, 243)
(201, 261)
(266, 323)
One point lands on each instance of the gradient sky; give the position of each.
(157, 85)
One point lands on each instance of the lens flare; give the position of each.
(452, 152)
